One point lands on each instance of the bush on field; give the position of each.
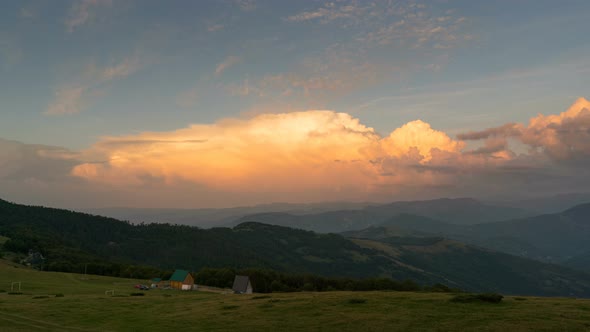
(484, 297)
(357, 301)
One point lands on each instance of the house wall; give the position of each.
(189, 280)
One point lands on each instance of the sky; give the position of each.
(191, 104)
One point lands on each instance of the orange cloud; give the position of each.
(325, 155)
(290, 152)
(560, 136)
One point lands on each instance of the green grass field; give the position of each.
(85, 307)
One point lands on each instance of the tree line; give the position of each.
(269, 281)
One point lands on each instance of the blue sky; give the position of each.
(75, 72)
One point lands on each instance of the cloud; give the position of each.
(245, 5)
(28, 12)
(10, 50)
(37, 174)
(188, 99)
(329, 12)
(304, 156)
(70, 98)
(215, 27)
(385, 23)
(328, 76)
(312, 155)
(123, 69)
(352, 63)
(563, 136)
(308, 156)
(228, 62)
(82, 12)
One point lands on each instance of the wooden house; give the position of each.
(242, 285)
(181, 279)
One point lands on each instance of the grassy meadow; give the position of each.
(85, 307)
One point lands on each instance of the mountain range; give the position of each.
(69, 238)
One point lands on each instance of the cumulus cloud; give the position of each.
(563, 136)
(311, 155)
(307, 156)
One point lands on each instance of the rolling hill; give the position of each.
(70, 238)
(558, 238)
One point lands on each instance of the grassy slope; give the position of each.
(85, 307)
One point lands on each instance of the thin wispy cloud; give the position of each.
(215, 27)
(227, 63)
(28, 12)
(67, 100)
(246, 5)
(82, 12)
(329, 12)
(70, 98)
(188, 99)
(10, 51)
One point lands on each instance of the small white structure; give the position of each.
(242, 285)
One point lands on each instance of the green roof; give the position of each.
(179, 275)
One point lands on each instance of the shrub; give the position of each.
(308, 287)
(59, 295)
(520, 298)
(14, 293)
(485, 297)
(357, 301)
(137, 294)
(230, 307)
(2, 290)
(439, 288)
(40, 297)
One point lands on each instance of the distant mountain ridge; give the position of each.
(461, 211)
(453, 210)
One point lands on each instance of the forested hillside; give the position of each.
(71, 241)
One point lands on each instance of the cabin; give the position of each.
(181, 279)
(242, 285)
